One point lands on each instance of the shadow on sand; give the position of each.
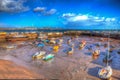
(115, 64)
(93, 71)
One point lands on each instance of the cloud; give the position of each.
(87, 21)
(51, 11)
(78, 18)
(68, 15)
(39, 9)
(44, 11)
(13, 6)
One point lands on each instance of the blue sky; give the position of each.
(68, 14)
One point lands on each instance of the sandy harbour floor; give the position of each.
(79, 66)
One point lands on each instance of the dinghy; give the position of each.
(11, 47)
(52, 42)
(119, 51)
(95, 54)
(41, 45)
(82, 44)
(55, 48)
(39, 55)
(68, 41)
(70, 50)
(48, 57)
(105, 45)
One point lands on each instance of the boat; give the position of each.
(70, 50)
(97, 45)
(52, 42)
(119, 51)
(39, 55)
(105, 73)
(95, 54)
(68, 41)
(82, 44)
(48, 57)
(105, 45)
(41, 45)
(17, 38)
(61, 41)
(107, 58)
(11, 47)
(46, 41)
(55, 48)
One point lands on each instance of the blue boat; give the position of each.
(41, 45)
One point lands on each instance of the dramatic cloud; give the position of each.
(44, 11)
(80, 20)
(39, 9)
(12, 6)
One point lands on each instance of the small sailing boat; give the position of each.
(82, 44)
(105, 45)
(48, 57)
(98, 44)
(68, 41)
(52, 41)
(60, 42)
(70, 50)
(107, 58)
(95, 54)
(55, 48)
(41, 45)
(39, 55)
(119, 51)
(11, 46)
(106, 72)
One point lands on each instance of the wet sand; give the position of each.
(79, 66)
(9, 70)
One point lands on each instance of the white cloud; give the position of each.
(44, 11)
(88, 20)
(51, 11)
(39, 9)
(110, 19)
(12, 6)
(68, 15)
(79, 18)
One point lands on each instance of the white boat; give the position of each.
(39, 55)
(10, 47)
(105, 73)
(71, 50)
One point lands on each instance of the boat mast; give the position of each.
(108, 54)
